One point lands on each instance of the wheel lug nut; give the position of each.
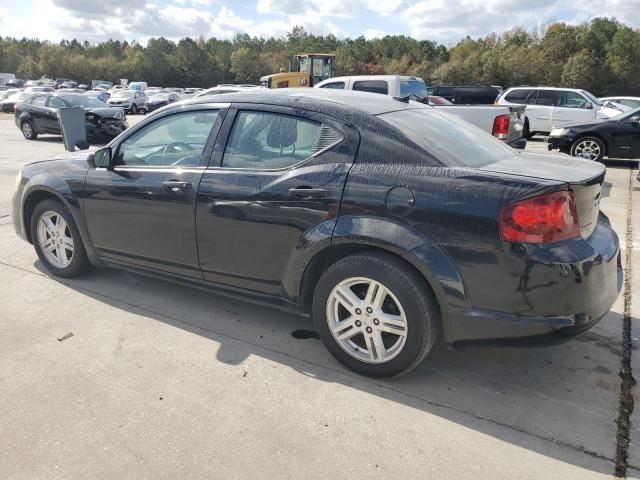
(358, 323)
(369, 310)
(369, 330)
(376, 321)
(358, 311)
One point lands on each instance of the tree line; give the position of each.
(602, 56)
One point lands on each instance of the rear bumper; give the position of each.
(542, 292)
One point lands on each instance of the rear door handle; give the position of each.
(308, 192)
(176, 185)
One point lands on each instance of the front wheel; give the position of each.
(375, 315)
(57, 240)
(588, 148)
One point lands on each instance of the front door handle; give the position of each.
(176, 185)
(308, 192)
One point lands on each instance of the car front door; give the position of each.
(572, 107)
(141, 211)
(626, 138)
(51, 113)
(274, 189)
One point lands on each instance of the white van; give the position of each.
(551, 106)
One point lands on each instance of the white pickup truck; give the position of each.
(504, 122)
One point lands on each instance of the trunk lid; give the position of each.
(583, 178)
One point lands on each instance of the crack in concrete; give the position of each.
(627, 381)
(344, 374)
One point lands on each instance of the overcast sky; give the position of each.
(445, 21)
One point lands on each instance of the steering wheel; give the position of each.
(177, 147)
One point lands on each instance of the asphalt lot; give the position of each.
(160, 381)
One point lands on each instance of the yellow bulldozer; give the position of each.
(308, 70)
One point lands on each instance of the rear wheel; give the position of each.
(28, 130)
(57, 240)
(588, 148)
(375, 315)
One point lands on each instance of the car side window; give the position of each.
(177, 140)
(518, 96)
(546, 98)
(56, 102)
(629, 103)
(569, 99)
(39, 101)
(373, 86)
(336, 85)
(268, 141)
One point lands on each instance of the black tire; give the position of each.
(134, 109)
(28, 131)
(79, 264)
(583, 141)
(415, 296)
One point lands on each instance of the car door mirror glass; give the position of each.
(102, 158)
(588, 106)
(635, 120)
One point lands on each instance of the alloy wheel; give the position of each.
(588, 150)
(27, 130)
(55, 239)
(367, 320)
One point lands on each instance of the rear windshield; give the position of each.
(416, 87)
(449, 139)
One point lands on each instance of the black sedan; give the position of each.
(391, 223)
(616, 137)
(159, 100)
(39, 114)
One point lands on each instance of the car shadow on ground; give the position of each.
(560, 401)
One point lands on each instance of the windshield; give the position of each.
(449, 139)
(416, 87)
(83, 101)
(123, 94)
(591, 97)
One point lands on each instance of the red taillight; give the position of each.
(501, 127)
(544, 219)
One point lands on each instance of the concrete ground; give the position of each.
(160, 381)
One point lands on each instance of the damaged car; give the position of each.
(39, 114)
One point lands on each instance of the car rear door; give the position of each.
(274, 189)
(572, 107)
(539, 111)
(142, 211)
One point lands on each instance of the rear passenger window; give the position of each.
(373, 86)
(39, 101)
(268, 141)
(337, 85)
(545, 97)
(517, 96)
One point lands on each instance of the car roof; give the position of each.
(369, 77)
(547, 88)
(373, 103)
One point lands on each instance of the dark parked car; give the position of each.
(387, 221)
(616, 137)
(8, 104)
(39, 114)
(160, 100)
(467, 95)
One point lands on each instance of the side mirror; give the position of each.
(635, 120)
(102, 158)
(589, 106)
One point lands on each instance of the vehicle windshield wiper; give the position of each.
(417, 98)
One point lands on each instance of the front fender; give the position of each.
(67, 192)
